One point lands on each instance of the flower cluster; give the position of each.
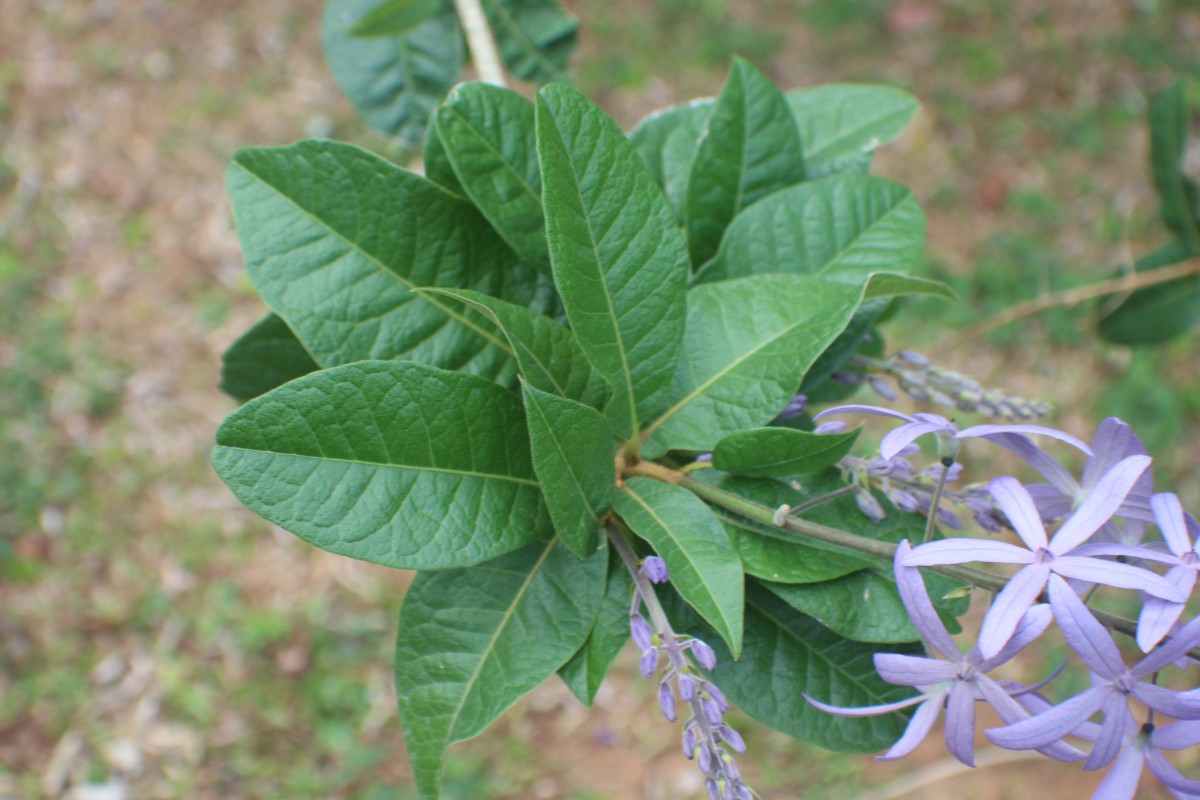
(1100, 520)
(707, 738)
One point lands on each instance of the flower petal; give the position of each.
(1031, 626)
(1171, 777)
(1100, 503)
(1087, 637)
(1122, 780)
(1184, 640)
(879, 411)
(1018, 506)
(1114, 573)
(960, 724)
(1117, 721)
(920, 609)
(866, 711)
(1168, 513)
(1156, 620)
(1024, 448)
(1009, 607)
(1179, 705)
(960, 551)
(896, 440)
(1111, 443)
(1176, 736)
(988, 431)
(904, 670)
(918, 728)
(1051, 725)
(1009, 710)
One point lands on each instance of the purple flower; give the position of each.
(655, 569)
(918, 425)
(1113, 684)
(1044, 557)
(947, 679)
(1140, 747)
(1114, 441)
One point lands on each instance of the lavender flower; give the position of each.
(947, 679)
(1140, 747)
(1113, 684)
(1044, 557)
(655, 569)
(947, 432)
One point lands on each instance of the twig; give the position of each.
(1128, 282)
(480, 40)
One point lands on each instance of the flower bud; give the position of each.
(666, 701)
(704, 654)
(655, 569)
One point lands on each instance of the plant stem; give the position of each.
(481, 42)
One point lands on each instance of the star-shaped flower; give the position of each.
(1140, 747)
(1114, 684)
(1044, 557)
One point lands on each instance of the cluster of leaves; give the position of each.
(473, 373)
(1161, 312)
(396, 60)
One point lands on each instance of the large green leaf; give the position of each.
(704, 567)
(1157, 313)
(266, 356)
(1178, 195)
(864, 606)
(750, 149)
(396, 463)
(573, 448)
(842, 124)
(488, 135)
(844, 227)
(471, 642)
(587, 668)
(437, 162)
(619, 260)
(747, 347)
(395, 17)
(780, 452)
(334, 239)
(651, 135)
(787, 653)
(535, 37)
(547, 353)
(393, 81)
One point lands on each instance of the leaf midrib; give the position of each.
(408, 285)
(567, 460)
(818, 154)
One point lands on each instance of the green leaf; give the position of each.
(394, 82)
(891, 284)
(704, 567)
(573, 448)
(619, 260)
(775, 554)
(747, 347)
(335, 238)
(437, 162)
(864, 606)
(780, 452)
(843, 227)
(1157, 313)
(750, 149)
(846, 344)
(587, 668)
(395, 17)
(547, 353)
(788, 653)
(471, 642)
(652, 134)
(535, 37)
(266, 356)
(395, 463)
(1170, 123)
(488, 134)
(842, 124)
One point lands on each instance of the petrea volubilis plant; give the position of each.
(565, 374)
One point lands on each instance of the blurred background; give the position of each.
(159, 641)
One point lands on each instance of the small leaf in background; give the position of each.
(394, 17)
(535, 37)
(472, 642)
(587, 668)
(265, 357)
(704, 567)
(547, 353)
(619, 259)
(747, 347)
(780, 452)
(667, 141)
(396, 463)
(395, 82)
(334, 240)
(787, 653)
(488, 136)
(1157, 313)
(843, 227)
(751, 148)
(573, 448)
(891, 284)
(1178, 195)
(842, 124)
(849, 341)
